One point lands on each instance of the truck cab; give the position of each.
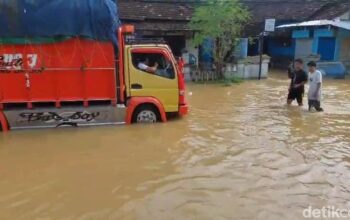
(163, 84)
(150, 95)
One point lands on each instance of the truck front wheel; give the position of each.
(146, 114)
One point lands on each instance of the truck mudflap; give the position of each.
(183, 110)
(3, 122)
(66, 116)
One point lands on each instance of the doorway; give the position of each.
(326, 48)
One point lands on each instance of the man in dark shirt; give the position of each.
(298, 79)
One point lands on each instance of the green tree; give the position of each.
(222, 21)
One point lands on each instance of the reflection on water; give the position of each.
(240, 154)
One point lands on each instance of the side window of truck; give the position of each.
(153, 63)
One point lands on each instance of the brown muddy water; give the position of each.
(240, 154)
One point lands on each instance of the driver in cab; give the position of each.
(160, 68)
(144, 65)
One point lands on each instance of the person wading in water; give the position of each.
(315, 88)
(298, 80)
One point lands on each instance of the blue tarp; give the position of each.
(96, 19)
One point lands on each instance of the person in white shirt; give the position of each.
(315, 87)
(144, 65)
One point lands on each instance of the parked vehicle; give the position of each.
(78, 82)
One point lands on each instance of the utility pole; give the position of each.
(261, 52)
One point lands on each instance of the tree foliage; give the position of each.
(221, 21)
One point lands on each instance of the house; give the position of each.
(280, 45)
(324, 37)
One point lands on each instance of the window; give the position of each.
(154, 63)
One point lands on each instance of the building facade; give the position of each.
(168, 19)
(161, 19)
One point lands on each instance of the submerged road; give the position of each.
(240, 154)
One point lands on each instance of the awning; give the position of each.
(339, 24)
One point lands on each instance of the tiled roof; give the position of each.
(286, 10)
(137, 10)
(331, 11)
(175, 15)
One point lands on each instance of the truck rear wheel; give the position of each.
(146, 114)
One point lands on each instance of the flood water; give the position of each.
(240, 154)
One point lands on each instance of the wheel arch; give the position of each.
(136, 102)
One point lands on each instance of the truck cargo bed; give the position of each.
(71, 70)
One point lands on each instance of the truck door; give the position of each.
(161, 82)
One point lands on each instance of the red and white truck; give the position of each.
(80, 82)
